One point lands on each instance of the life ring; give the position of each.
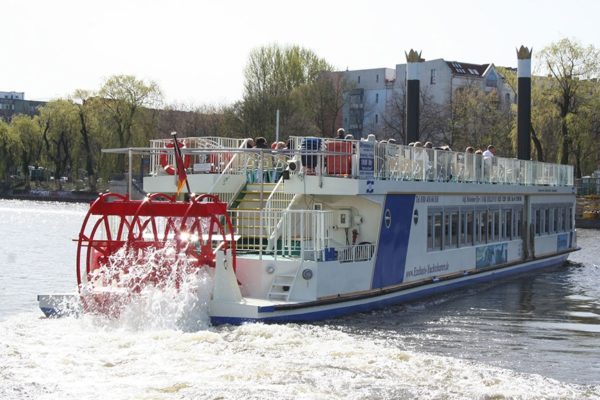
(164, 159)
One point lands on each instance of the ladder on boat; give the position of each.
(281, 287)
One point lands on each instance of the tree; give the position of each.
(60, 133)
(30, 136)
(569, 64)
(271, 75)
(88, 110)
(10, 150)
(321, 102)
(122, 98)
(584, 130)
(479, 119)
(394, 119)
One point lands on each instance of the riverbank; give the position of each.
(74, 196)
(587, 214)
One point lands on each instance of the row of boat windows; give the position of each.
(553, 218)
(468, 226)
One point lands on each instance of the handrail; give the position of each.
(390, 162)
(227, 168)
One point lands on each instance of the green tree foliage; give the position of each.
(10, 151)
(29, 132)
(88, 111)
(480, 118)
(569, 66)
(318, 105)
(60, 128)
(126, 104)
(272, 75)
(584, 130)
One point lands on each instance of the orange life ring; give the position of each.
(164, 159)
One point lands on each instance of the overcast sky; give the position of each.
(197, 50)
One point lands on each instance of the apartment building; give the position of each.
(374, 95)
(13, 103)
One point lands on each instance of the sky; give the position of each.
(197, 50)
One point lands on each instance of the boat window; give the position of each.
(437, 231)
(454, 228)
(554, 212)
(569, 218)
(546, 221)
(490, 227)
(508, 228)
(429, 232)
(561, 219)
(496, 222)
(481, 226)
(462, 226)
(538, 221)
(518, 223)
(469, 228)
(447, 226)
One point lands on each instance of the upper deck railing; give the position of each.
(360, 160)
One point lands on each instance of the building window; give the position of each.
(433, 77)
(376, 97)
(491, 80)
(359, 79)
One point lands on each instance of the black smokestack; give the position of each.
(524, 103)
(412, 95)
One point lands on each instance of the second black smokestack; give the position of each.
(524, 103)
(412, 95)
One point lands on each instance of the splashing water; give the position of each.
(155, 289)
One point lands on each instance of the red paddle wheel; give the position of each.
(120, 237)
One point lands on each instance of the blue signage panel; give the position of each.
(366, 162)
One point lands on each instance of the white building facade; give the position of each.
(375, 96)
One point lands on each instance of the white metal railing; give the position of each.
(359, 252)
(343, 158)
(205, 154)
(278, 201)
(304, 233)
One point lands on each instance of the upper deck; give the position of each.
(212, 158)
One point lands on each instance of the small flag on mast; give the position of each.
(180, 166)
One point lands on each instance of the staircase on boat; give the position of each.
(257, 212)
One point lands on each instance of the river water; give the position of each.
(531, 337)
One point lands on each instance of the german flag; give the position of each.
(180, 168)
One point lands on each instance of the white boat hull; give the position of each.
(250, 310)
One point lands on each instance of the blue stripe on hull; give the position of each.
(373, 304)
(393, 240)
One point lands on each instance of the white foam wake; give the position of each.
(159, 290)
